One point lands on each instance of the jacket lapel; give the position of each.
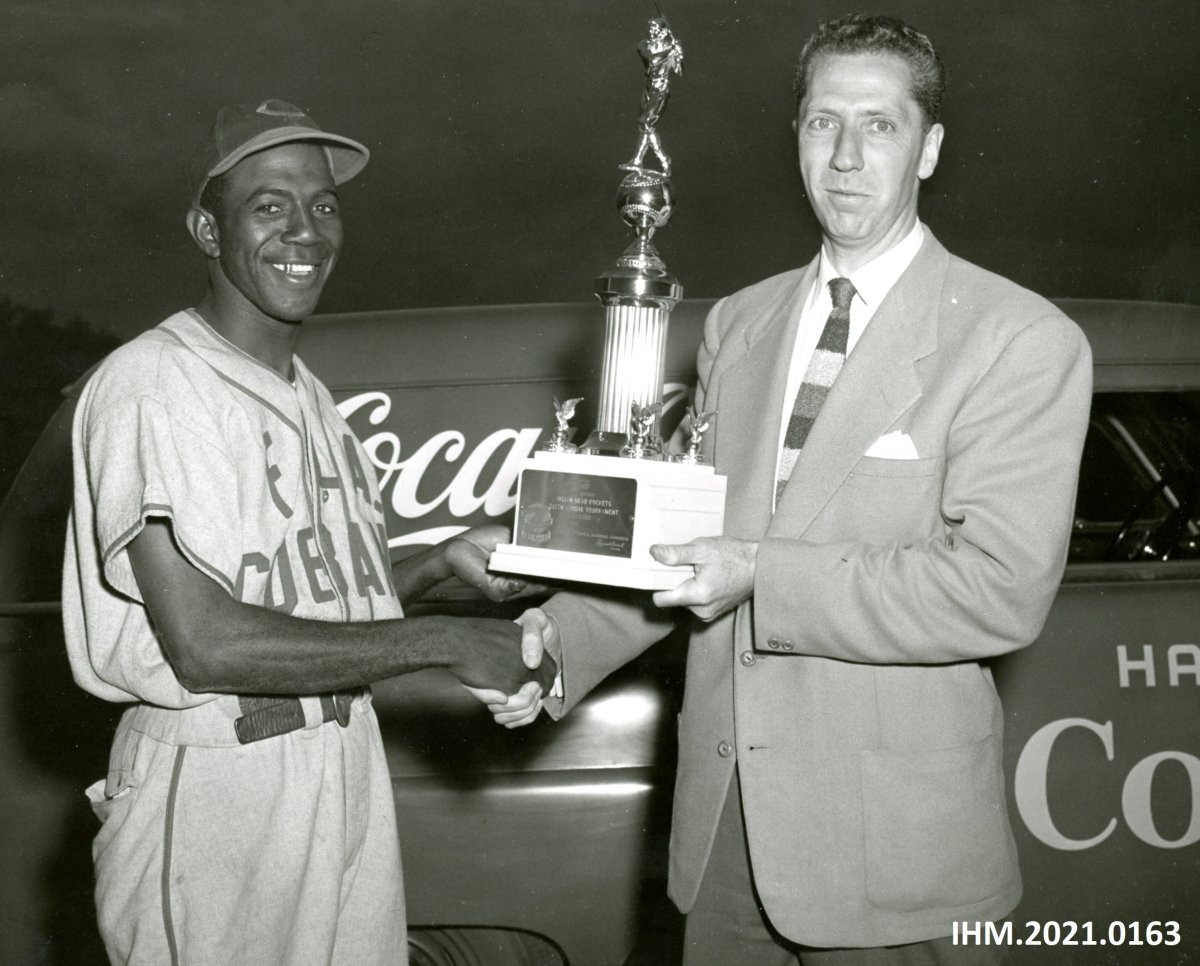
(875, 387)
(749, 398)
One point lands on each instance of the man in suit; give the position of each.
(901, 432)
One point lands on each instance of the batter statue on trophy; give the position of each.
(663, 55)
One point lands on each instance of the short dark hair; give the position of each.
(860, 33)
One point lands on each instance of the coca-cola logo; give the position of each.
(403, 467)
(435, 485)
(1135, 804)
(1115, 772)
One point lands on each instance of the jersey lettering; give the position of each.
(366, 577)
(279, 571)
(273, 475)
(329, 553)
(314, 566)
(357, 476)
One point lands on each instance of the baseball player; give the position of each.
(227, 576)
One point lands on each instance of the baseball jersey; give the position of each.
(268, 492)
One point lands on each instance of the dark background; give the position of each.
(1071, 161)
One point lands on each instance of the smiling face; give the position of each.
(276, 235)
(864, 149)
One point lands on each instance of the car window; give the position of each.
(1138, 483)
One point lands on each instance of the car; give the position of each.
(547, 845)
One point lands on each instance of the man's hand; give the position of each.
(724, 575)
(539, 637)
(488, 655)
(467, 557)
(540, 645)
(512, 711)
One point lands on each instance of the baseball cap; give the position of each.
(242, 129)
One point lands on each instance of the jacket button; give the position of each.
(772, 643)
(724, 749)
(788, 646)
(747, 658)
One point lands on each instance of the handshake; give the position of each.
(539, 656)
(509, 666)
(514, 692)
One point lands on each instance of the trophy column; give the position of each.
(638, 294)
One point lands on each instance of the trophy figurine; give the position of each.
(642, 445)
(663, 55)
(592, 515)
(559, 441)
(698, 424)
(638, 293)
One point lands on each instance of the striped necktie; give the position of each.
(823, 368)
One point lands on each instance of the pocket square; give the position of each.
(893, 446)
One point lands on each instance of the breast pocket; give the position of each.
(885, 501)
(874, 467)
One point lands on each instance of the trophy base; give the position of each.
(593, 519)
(586, 568)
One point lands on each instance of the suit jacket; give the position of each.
(852, 689)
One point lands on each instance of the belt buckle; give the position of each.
(336, 707)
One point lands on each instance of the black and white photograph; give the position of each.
(600, 483)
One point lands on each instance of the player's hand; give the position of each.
(487, 654)
(467, 557)
(724, 575)
(540, 645)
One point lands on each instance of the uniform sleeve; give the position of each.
(144, 460)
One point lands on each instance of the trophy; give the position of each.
(591, 513)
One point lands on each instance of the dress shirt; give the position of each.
(872, 283)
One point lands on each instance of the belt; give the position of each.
(267, 716)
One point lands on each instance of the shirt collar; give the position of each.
(874, 280)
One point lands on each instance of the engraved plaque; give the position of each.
(577, 512)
